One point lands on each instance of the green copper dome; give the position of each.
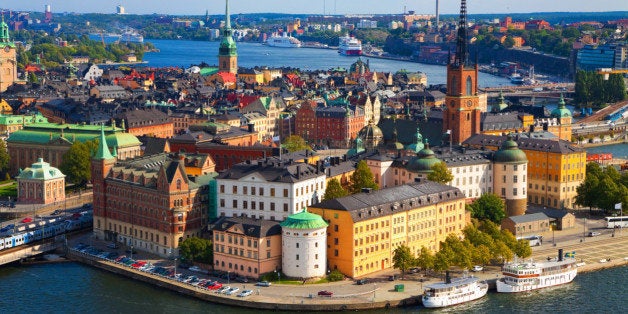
(501, 105)
(304, 220)
(424, 160)
(371, 135)
(418, 145)
(227, 44)
(40, 170)
(561, 111)
(510, 153)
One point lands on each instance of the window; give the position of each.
(272, 206)
(252, 190)
(222, 202)
(297, 257)
(469, 85)
(261, 191)
(504, 179)
(514, 179)
(272, 192)
(514, 191)
(285, 207)
(245, 204)
(234, 189)
(235, 204)
(503, 191)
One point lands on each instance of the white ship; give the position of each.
(526, 276)
(350, 46)
(284, 41)
(452, 292)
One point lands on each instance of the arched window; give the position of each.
(178, 184)
(469, 85)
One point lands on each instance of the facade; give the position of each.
(50, 141)
(304, 246)
(227, 53)
(150, 203)
(526, 225)
(150, 122)
(12, 123)
(591, 57)
(8, 58)
(331, 126)
(267, 111)
(269, 189)
(511, 171)
(40, 184)
(365, 228)
(246, 247)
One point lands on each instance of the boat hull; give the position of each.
(458, 296)
(539, 283)
(351, 52)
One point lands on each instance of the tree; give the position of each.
(4, 159)
(522, 249)
(76, 163)
(294, 143)
(403, 258)
(195, 249)
(425, 260)
(440, 173)
(335, 275)
(509, 42)
(488, 207)
(334, 190)
(361, 178)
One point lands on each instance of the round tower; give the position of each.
(304, 245)
(510, 175)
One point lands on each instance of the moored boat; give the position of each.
(454, 291)
(530, 275)
(284, 41)
(350, 46)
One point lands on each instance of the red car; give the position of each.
(138, 264)
(27, 220)
(325, 293)
(215, 286)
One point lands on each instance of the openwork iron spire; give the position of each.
(461, 42)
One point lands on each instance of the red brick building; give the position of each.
(332, 126)
(149, 122)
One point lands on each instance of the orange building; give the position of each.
(149, 122)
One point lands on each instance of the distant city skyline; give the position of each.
(199, 7)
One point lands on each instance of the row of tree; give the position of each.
(483, 243)
(361, 178)
(603, 188)
(592, 91)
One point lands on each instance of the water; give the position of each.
(76, 288)
(618, 150)
(184, 53)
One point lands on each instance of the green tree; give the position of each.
(509, 42)
(522, 249)
(441, 261)
(440, 173)
(425, 260)
(403, 258)
(4, 159)
(335, 275)
(334, 190)
(195, 249)
(76, 163)
(361, 178)
(294, 143)
(488, 206)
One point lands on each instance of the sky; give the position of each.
(198, 7)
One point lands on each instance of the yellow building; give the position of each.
(251, 76)
(555, 168)
(365, 228)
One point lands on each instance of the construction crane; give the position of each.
(606, 72)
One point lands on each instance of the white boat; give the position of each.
(284, 41)
(530, 275)
(350, 46)
(454, 291)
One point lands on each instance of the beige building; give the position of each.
(40, 184)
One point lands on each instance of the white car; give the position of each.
(245, 293)
(477, 268)
(232, 291)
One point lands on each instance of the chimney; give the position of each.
(560, 255)
(298, 171)
(447, 277)
(307, 161)
(417, 180)
(344, 157)
(251, 127)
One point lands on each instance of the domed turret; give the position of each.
(509, 152)
(501, 105)
(394, 143)
(561, 111)
(371, 135)
(424, 160)
(417, 146)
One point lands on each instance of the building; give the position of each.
(8, 58)
(268, 110)
(304, 246)
(510, 174)
(12, 123)
(365, 228)
(51, 140)
(593, 57)
(40, 184)
(246, 247)
(329, 125)
(526, 225)
(150, 203)
(270, 188)
(149, 122)
(227, 52)
(461, 117)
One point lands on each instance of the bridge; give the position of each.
(25, 251)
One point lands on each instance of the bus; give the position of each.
(617, 222)
(534, 240)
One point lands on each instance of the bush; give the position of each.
(335, 275)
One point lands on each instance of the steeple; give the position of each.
(227, 52)
(227, 16)
(103, 149)
(4, 32)
(461, 40)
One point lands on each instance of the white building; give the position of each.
(270, 189)
(304, 245)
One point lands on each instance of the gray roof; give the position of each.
(369, 205)
(501, 121)
(256, 228)
(272, 170)
(535, 144)
(528, 218)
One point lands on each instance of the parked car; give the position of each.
(232, 291)
(263, 284)
(215, 286)
(56, 212)
(594, 234)
(361, 281)
(27, 220)
(245, 293)
(477, 268)
(325, 293)
(242, 279)
(196, 269)
(223, 289)
(112, 246)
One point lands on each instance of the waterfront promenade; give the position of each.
(607, 250)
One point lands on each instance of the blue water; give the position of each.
(618, 150)
(76, 288)
(184, 53)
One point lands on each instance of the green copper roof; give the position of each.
(561, 111)
(103, 150)
(40, 170)
(424, 161)
(510, 153)
(501, 105)
(44, 133)
(22, 119)
(209, 71)
(227, 44)
(418, 145)
(4, 35)
(304, 220)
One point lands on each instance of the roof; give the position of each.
(424, 160)
(103, 150)
(304, 220)
(369, 205)
(272, 170)
(40, 170)
(509, 152)
(256, 228)
(44, 133)
(528, 218)
(525, 144)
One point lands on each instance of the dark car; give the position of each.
(392, 278)
(361, 281)
(56, 212)
(325, 293)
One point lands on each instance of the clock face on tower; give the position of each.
(469, 103)
(7, 48)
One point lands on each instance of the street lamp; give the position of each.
(228, 276)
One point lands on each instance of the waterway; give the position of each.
(618, 150)
(184, 53)
(76, 288)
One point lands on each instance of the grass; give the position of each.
(9, 190)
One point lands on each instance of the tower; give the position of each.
(102, 162)
(227, 53)
(462, 111)
(8, 58)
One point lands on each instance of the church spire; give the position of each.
(4, 32)
(103, 149)
(461, 40)
(227, 16)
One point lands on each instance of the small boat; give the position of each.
(530, 275)
(454, 291)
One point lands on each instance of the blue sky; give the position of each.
(198, 7)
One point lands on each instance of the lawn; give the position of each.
(9, 190)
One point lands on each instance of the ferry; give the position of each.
(283, 41)
(526, 276)
(452, 292)
(350, 46)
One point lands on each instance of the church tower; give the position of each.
(8, 58)
(228, 52)
(462, 112)
(102, 162)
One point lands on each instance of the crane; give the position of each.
(606, 72)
